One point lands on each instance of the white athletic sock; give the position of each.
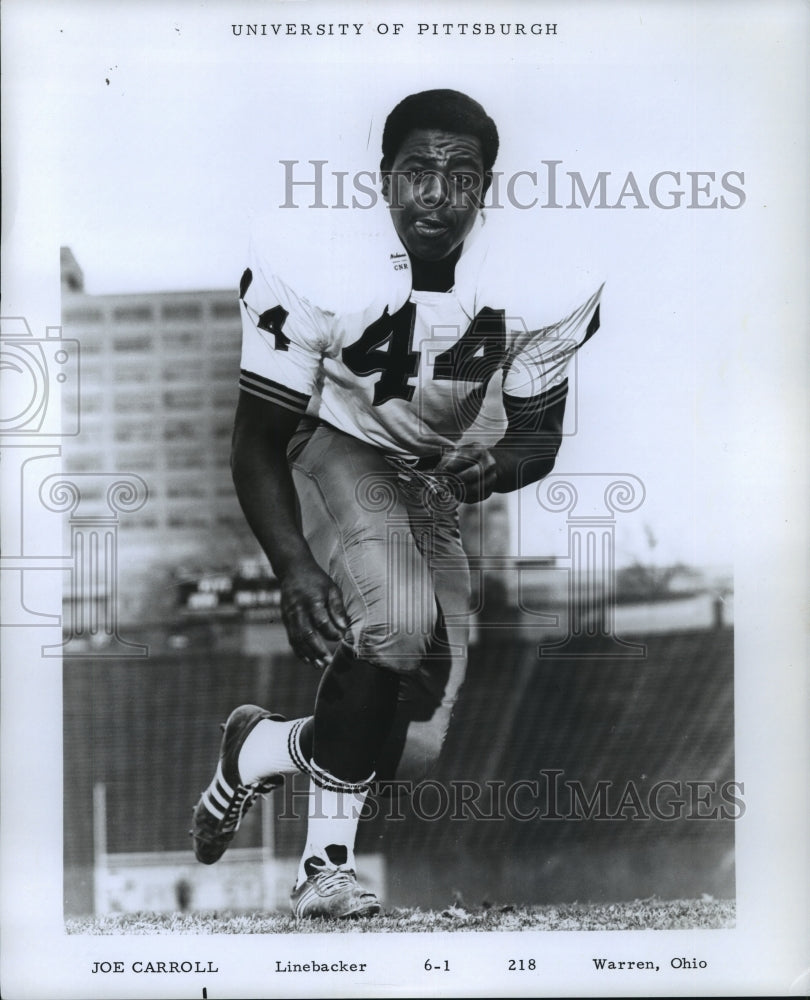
(334, 812)
(271, 748)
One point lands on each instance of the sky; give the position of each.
(163, 137)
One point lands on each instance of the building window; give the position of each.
(83, 316)
(231, 521)
(140, 431)
(188, 489)
(178, 430)
(132, 314)
(227, 343)
(184, 341)
(182, 310)
(184, 459)
(91, 461)
(226, 373)
(135, 461)
(225, 397)
(131, 374)
(185, 371)
(141, 342)
(187, 521)
(140, 522)
(225, 310)
(182, 399)
(90, 404)
(134, 404)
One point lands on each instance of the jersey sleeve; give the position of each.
(284, 337)
(538, 360)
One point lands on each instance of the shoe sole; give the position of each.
(360, 913)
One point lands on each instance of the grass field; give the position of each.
(644, 914)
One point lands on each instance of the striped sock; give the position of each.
(272, 748)
(334, 812)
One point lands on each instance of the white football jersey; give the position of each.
(333, 328)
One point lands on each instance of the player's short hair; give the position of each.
(448, 110)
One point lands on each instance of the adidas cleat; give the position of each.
(332, 892)
(219, 812)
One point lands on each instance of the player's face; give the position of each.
(434, 190)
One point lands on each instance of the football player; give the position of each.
(365, 359)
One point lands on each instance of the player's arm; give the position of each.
(528, 450)
(311, 605)
(283, 339)
(525, 454)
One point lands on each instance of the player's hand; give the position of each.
(313, 613)
(471, 472)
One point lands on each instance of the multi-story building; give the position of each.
(158, 388)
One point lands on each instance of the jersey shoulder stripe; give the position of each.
(526, 413)
(274, 392)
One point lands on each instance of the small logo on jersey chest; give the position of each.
(399, 261)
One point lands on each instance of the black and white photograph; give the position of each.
(404, 490)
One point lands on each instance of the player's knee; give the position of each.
(394, 648)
